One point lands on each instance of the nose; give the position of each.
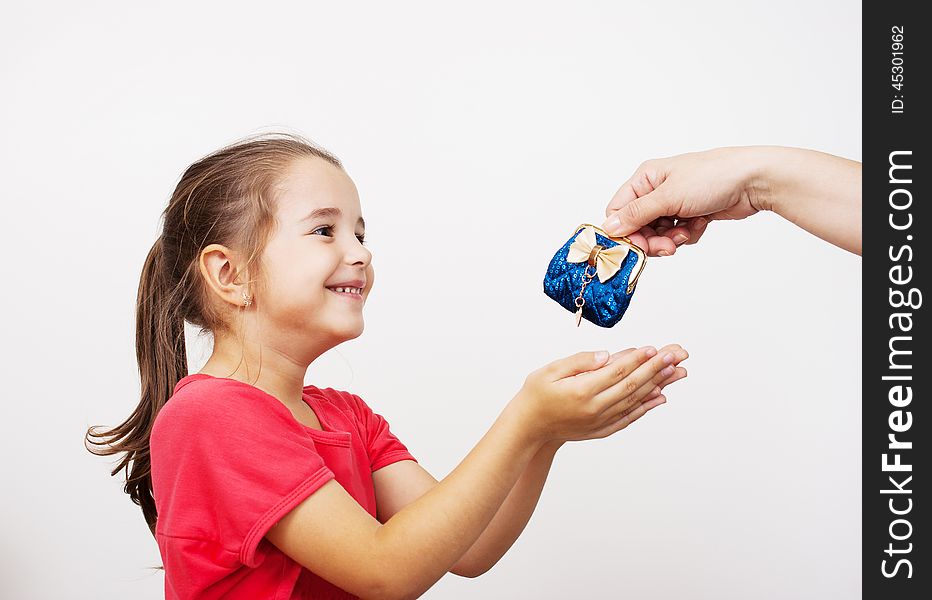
(357, 254)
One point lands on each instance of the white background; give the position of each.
(485, 132)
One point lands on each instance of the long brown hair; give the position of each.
(224, 198)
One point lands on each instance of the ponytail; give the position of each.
(160, 351)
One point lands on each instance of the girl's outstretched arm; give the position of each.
(402, 482)
(579, 397)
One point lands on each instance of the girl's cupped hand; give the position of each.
(592, 395)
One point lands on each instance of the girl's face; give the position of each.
(316, 247)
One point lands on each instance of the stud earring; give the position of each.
(247, 300)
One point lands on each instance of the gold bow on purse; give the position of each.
(607, 260)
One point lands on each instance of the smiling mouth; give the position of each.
(347, 291)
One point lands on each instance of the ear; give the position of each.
(221, 269)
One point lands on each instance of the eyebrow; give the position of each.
(329, 212)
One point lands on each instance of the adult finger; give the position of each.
(639, 239)
(697, 227)
(679, 235)
(655, 244)
(686, 231)
(642, 182)
(639, 212)
(660, 245)
(623, 196)
(663, 224)
(648, 231)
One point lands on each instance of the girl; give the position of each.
(258, 486)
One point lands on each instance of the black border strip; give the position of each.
(896, 367)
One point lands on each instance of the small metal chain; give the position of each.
(580, 301)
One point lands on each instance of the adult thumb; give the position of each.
(638, 213)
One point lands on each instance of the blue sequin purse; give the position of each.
(616, 261)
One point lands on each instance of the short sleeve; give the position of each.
(382, 446)
(228, 461)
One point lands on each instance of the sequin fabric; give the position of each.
(606, 302)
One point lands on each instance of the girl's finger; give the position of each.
(645, 393)
(637, 413)
(623, 352)
(648, 391)
(618, 367)
(678, 374)
(622, 381)
(630, 417)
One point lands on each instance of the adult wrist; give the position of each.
(760, 176)
(771, 173)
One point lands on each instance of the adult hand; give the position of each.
(668, 202)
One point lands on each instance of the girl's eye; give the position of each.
(360, 237)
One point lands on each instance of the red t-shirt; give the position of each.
(229, 461)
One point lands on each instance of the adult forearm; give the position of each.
(422, 541)
(817, 191)
(513, 516)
